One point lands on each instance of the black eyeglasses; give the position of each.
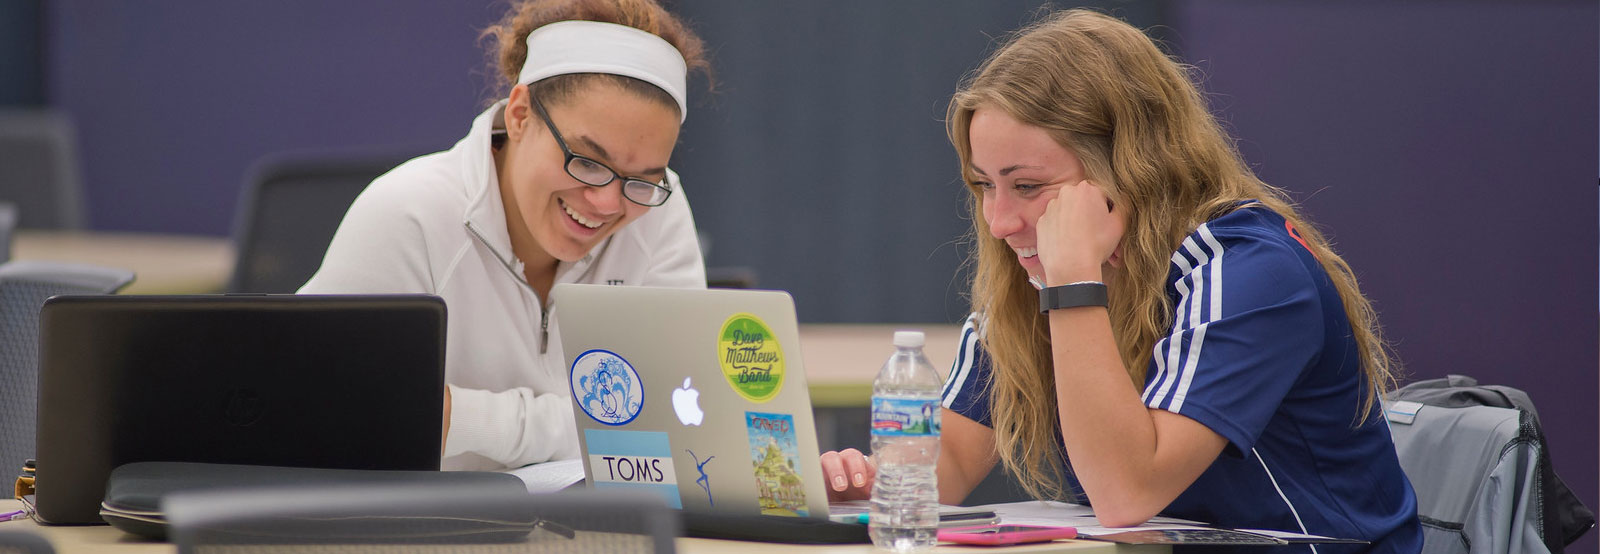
(596, 174)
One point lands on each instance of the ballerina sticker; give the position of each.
(705, 480)
(607, 387)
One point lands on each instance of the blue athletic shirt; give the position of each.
(1260, 352)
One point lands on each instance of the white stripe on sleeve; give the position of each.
(1216, 272)
(1186, 377)
(967, 355)
(1200, 257)
(1163, 382)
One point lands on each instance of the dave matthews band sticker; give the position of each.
(750, 357)
(607, 387)
(775, 455)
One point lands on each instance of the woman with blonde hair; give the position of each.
(1155, 330)
(563, 180)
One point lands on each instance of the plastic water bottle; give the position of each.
(905, 444)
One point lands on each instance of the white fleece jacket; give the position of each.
(435, 225)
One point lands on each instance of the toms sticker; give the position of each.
(775, 455)
(750, 357)
(634, 460)
(607, 387)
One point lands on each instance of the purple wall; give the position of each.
(1448, 148)
(175, 99)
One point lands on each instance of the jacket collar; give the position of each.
(485, 216)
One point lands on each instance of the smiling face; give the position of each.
(550, 215)
(1019, 168)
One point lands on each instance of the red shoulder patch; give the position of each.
(1296, 234)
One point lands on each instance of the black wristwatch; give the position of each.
(1083, 293)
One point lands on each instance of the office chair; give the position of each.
(728, 276)
(1450, 455)
(24, 286)
(418, 518)
(731, 277)
(39, 168)
(1477, 459)
(8, 224)
(23, 542)
(288, 212)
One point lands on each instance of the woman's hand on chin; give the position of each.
(1078, 233)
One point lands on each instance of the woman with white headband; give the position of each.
(565, 180)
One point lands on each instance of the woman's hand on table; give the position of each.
(849, 474)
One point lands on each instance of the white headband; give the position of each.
(567, 47)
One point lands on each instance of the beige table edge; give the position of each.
(841, 359)
(162, 263)
(103, 538)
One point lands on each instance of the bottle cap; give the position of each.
(909, 339)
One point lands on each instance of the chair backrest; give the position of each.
(725, 277)
(1451, 455)
(288, 211)
(39, 168)
(421, 518)
(23, 542)
(8, 224)
(24, 286)
(731, 277)
(1478, 461)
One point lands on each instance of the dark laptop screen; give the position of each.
(349, 382)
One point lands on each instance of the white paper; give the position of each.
(841, 507)
(1061, 514)
(850, 511)
(1285, 534)
(550, 476)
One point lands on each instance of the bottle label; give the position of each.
(905, 417)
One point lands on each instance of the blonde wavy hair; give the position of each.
(1106, 92)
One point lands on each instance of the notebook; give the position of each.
(341, 382)
(696, 395)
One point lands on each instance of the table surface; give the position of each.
(104, 538)
(162, 264)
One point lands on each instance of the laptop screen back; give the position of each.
(348, 382)
(697, 395)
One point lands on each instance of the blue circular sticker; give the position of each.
(606, 387)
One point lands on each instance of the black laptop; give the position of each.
(345, 382)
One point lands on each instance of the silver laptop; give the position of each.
(697, 395)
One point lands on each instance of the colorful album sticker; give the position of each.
(634, 460)
(606, 387)
(775, 455)
(750, 357)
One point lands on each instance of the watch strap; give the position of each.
(1085, 293)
